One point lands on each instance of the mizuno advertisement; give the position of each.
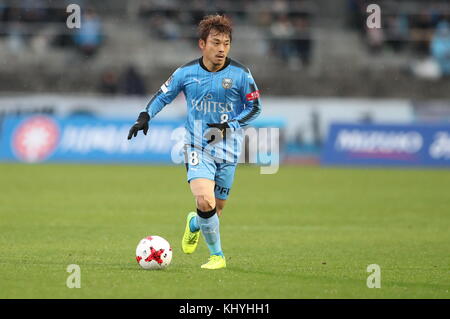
(403, 145)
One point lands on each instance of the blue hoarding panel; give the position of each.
(84, 139)
(41, 138)
(402, 145)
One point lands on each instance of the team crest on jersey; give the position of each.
(227, 83)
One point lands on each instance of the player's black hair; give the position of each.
(220, 23)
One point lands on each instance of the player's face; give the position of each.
(215, 49)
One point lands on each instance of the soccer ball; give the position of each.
(153, 252)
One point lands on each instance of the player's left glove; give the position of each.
(218, 133)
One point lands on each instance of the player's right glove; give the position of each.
(217, 132)
(140, 124)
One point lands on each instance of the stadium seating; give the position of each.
(294, 47)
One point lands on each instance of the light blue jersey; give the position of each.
(228, 95)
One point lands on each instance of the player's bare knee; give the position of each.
(205, 203)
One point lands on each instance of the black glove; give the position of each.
(222, 127)
(141, 124)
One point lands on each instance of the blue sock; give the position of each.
(210, 230)
(193, 224)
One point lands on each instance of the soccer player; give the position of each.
(222, 98)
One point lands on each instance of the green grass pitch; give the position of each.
(305, 232)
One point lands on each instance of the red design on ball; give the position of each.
(155, 255)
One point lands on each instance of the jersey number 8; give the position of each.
(193, 158)
(223, 118)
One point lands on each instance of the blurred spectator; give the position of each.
(280, 7)
(282, 32)
(435, 10)
(17, 40)
(3, 11)
(437, 64)
(397, 31)
(16, 33)
(264, 18)
(440, 47)
(109, 83)
(89, 37)
(132, 82)
(301, 44)
(356, 18)
(421, 32)
(33, 11)
(165, 28)
(170, 30)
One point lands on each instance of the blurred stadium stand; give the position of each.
(293, 47)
